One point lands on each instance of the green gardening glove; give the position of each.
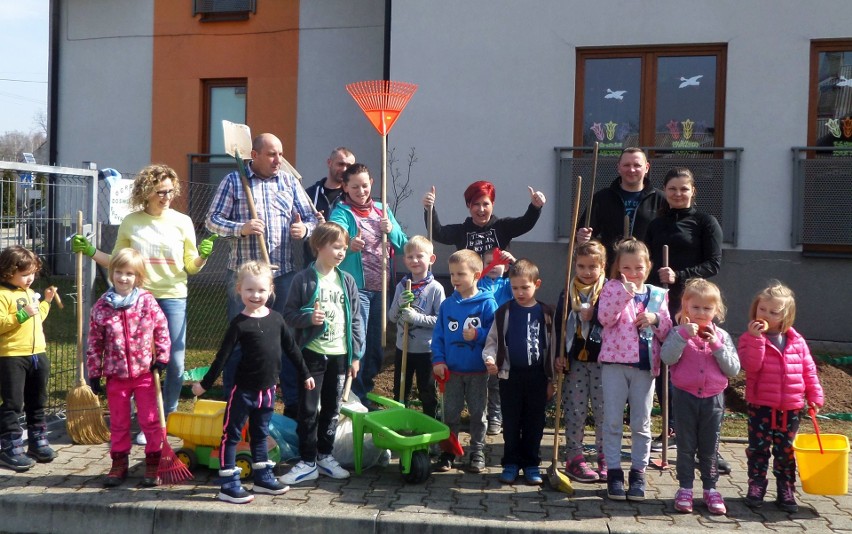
(79, 243)
(205, 248)
(406, 298)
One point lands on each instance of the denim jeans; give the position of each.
(288, 377)
(175, 310)
(373, 355)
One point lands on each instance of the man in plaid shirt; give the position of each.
(283, 213)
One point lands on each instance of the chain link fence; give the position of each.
(39, 212)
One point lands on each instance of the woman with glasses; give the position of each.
(166, 239)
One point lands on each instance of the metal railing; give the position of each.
(716, 171)
(822, 198)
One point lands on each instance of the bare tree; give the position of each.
(401, 183)
(14, 142)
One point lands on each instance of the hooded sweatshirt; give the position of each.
(454, 316)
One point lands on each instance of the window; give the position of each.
(224, 99)
(822, 191)
(831, 96)
(217, 10)
(671, 97)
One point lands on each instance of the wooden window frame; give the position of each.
(648, 101)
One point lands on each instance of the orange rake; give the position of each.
(382, 101)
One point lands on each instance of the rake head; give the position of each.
(381, 101)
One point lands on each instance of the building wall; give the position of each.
(340, 42)
(105, 62)
(497, 92)
(263, 49)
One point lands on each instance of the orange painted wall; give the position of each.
(263, 49)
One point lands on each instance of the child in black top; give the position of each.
(262, 333)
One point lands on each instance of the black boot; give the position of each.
(615, 484)
(152, 466)
(37, 446)
(12, 453)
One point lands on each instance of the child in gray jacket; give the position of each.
(418, 308)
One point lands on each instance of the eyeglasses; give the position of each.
(164, 194)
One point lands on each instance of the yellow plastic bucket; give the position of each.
(824, 473)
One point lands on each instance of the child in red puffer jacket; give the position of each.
(780, 378)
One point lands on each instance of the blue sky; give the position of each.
(24, 42)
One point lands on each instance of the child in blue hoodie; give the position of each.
(464, 319)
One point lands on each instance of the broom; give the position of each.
(558, 480)
(171, 469)
(85, 422)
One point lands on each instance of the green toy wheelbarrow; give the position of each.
(399, 429)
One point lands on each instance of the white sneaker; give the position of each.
(301, 472)
(329, 467)
(140, 439)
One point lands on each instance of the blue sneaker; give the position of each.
(532, 475)
(509, 474)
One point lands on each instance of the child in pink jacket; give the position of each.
(702, 358)
(126, 323)
(635, 319)
(780, 378)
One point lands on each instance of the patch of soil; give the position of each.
(836, 385)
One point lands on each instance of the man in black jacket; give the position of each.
(631, 195)
(328, 191)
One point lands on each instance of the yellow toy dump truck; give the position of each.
(201, 432)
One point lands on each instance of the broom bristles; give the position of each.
(84, 418)
(559, 481)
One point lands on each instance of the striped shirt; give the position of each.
(276, 200)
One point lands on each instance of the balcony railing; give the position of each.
(822, 200)
(716, 171)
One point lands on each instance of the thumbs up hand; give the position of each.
(318, 317)
(320, 217)
(429, 199)
(298, 230)
(205, 248)
(628, 285)
(357, 243)
(536, 197)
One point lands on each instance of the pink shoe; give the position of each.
(683, 500)
(602, 468)
(579, 471)
(714, 501)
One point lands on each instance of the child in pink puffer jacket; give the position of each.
(780, 378)
(125, 324)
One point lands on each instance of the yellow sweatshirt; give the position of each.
(20, 339)
(167, 242)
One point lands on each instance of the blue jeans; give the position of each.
(373, 355)
(289, 376)
(175, 310)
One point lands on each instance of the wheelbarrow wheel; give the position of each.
(419, 468)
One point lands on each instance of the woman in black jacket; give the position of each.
(695, 251)
(694, 238)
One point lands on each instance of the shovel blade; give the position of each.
(237, 138)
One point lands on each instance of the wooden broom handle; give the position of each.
(79, 280)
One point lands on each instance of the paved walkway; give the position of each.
(67, 496)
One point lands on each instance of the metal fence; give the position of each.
(822, 198)
(716, 172)
(39, 211)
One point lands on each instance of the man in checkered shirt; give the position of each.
(283, 213)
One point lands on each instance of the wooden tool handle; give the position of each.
(264, 252)
(592, 188)
(160, 410)
(79, 282)
(570, 262)
(403, 368)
